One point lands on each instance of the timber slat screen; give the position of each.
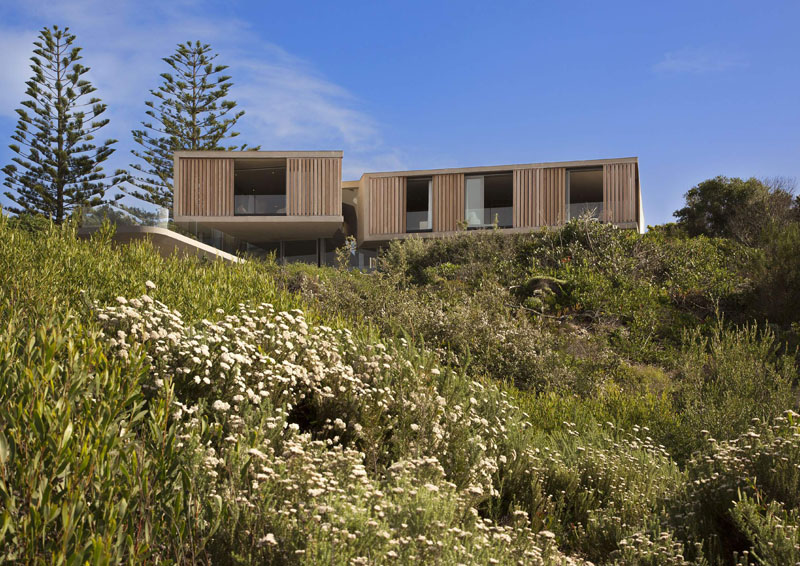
(387, 205)
(619, 198)
(526, 198)
(314, 186)
(448, 201)
(540, 196)
(553, 191)
(205, 187)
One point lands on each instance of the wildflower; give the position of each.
(220, 405)
(269, 539)
(257, 453)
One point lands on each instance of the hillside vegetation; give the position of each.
(578, 395)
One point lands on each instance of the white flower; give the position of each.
(220, 405)
(149, 284)
(257, 453)
(268, 539)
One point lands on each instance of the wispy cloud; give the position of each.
(288, 102)
(16, 45)
(699, 60)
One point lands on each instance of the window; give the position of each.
(585, 193)
(259, 187)
(304, 251)
(489, 200)
(418, 205)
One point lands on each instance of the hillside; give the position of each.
(578, 395)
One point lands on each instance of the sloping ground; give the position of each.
(190, 412)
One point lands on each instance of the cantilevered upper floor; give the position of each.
(259, 195)
(512, 198)
(295, 203)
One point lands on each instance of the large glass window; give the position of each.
(418, 205)
(585, 193)
(260, 250)
(259, 187)
(303, 251)
(489, 200)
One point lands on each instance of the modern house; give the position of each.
(294, 203)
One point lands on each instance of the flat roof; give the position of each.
(495, 168)
(256, 154)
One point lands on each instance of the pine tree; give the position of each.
(57, 167)
(187, 112)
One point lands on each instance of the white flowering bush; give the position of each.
(321, 444)
(603, 486)
(738, 490)
(208, 421)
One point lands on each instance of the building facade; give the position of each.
(294, 204)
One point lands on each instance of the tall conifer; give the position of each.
(187, 112)
(57, 168)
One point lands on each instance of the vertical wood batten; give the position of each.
(552, 195)
(526, 198)
(204, 187)
(619, 186)
(387, 198)
(314, 186)
(448, 201)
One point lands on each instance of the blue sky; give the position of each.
(694, 89)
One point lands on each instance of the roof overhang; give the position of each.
(266, 228)
(502, 168)
(255, 154)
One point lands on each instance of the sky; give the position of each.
(693, 89)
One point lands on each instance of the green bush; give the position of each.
(740, 489)
(446, 409)
(729, 378)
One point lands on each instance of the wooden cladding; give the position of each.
(527, 198)
(539, 197)
(204, 187)
(448, 201)
(553, 189)
(387, 205)
(619, 192)
(314, 186)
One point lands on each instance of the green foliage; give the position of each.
(186, 411)
(779, 291)
(57, 168)
(736, 208)
(54, 269)
(739, 490)
(731, 377)
(88, 471)
(188, 112)
(774, 532)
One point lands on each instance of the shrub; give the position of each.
(731, 377)
(740, 489)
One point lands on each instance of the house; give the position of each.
(295, 205)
